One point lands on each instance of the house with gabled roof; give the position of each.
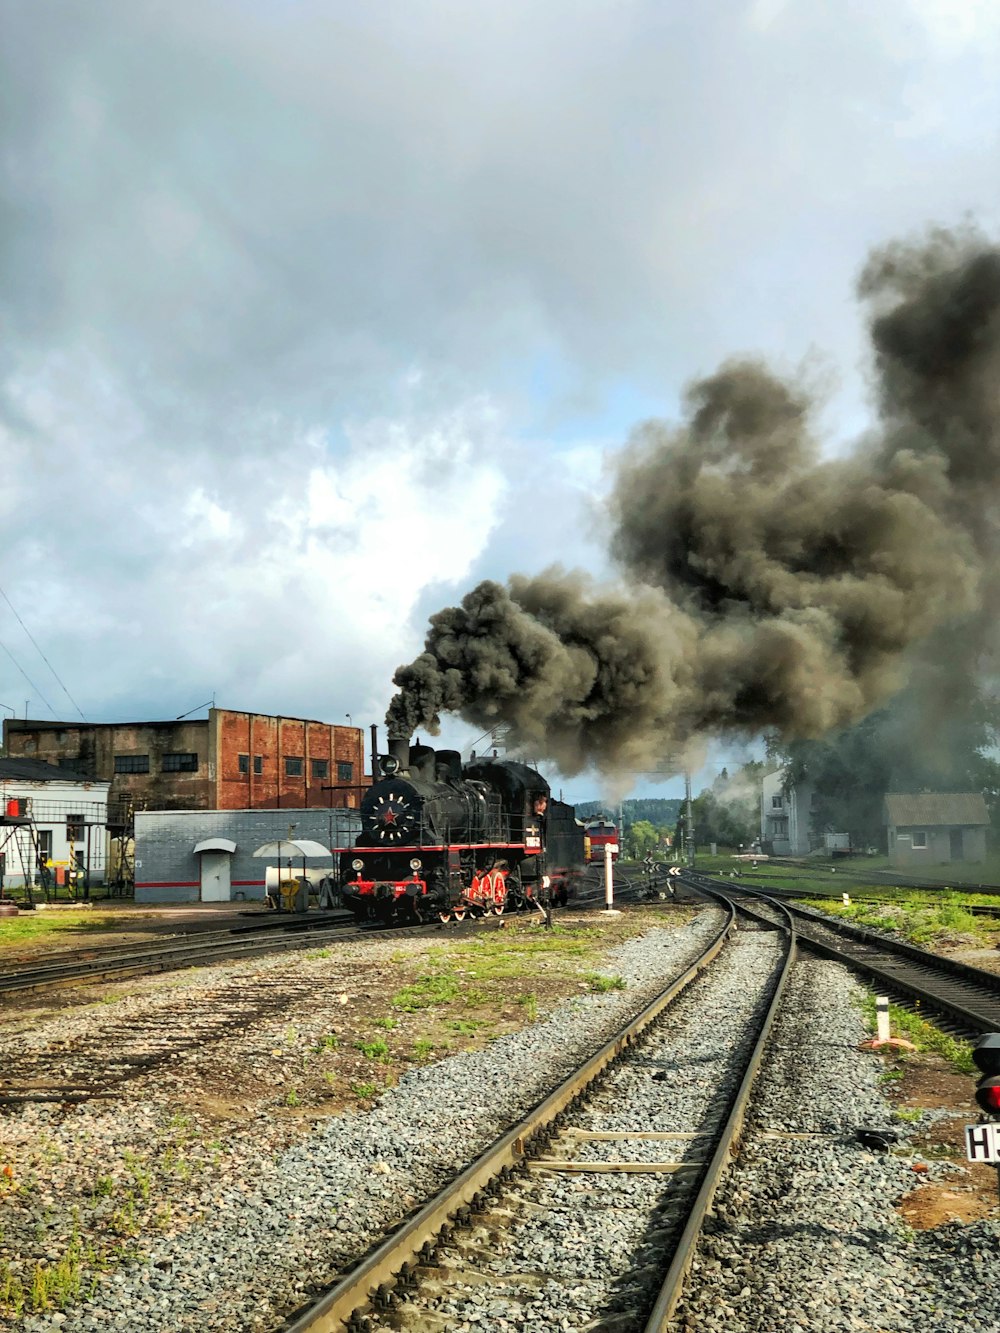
(935, 828)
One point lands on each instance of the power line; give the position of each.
(44, 659)
(28, 679)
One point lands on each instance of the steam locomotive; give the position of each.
(440, 839)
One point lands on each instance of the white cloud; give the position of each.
(287, 584)
(230, 230)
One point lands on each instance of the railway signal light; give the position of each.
(986, 1056)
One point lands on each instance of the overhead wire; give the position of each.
(24, 673)
(44, 659)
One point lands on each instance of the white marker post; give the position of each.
(882, 1018)
(609, 890)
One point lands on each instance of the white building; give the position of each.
(51, 817)
(785, 816)
(786, 820)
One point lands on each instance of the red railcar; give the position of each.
(597, 834)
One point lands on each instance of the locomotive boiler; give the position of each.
(440, 839)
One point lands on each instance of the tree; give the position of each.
(939, 734)
(642, 838)
(728, 812)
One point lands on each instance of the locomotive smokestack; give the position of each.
(399, 748)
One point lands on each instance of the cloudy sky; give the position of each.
(314, 313)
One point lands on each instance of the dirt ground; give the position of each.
(73, 930)
(928, 1082)
(353, 1046)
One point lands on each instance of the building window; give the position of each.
(320, 768)
(44, 836)
(74, 828)
(919, 838)
(243, 760)
(775, 802)
(131, 763)
(180, 763)
(779, 828)
(345, 772)
(258, 764)
(293, 766)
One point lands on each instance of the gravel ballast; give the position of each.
(283, 1225)
(599, 1237)
(805, 1234)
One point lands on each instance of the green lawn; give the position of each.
(65, 923)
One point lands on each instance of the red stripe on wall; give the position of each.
(167, 884)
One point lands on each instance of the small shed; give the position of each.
(936, 828)
(189, 856)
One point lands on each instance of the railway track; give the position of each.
(112, 961)
(599, 1137)
(967, 998)
(87, 1068)
(204, 947)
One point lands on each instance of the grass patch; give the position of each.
(364, 1091)
(468, 1027)
(426, 992)
(31, 925)
(924, 1036)
(376, 1049)
(599, 984)
(916, 917)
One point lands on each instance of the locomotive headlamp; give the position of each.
(416, 863)
(389, 764)
(357, 864)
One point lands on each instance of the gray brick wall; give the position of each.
(167, 870)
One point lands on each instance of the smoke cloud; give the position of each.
(763, 586)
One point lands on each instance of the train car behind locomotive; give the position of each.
(598, 833)
(440, 839)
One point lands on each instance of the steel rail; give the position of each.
(374, 1275)
(965, 995)
(672, 1289)
(96, 954)
(164, 958)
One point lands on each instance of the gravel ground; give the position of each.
(610, 1271)
(805, 1234)
(284, 1222)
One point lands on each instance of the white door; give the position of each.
(215, 885)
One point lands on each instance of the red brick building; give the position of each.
(227, 761)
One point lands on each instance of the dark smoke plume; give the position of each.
(764, 587)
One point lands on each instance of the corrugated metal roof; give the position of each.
(943, 807)
(36, 770)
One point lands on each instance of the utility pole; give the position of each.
(688, 821)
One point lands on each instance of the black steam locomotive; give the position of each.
(440, 839)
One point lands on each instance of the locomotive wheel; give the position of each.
(444, 916)
(459, 913)
(498, 908)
